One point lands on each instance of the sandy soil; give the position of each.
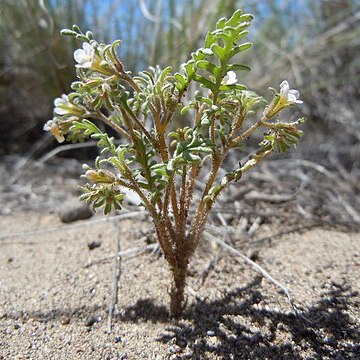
(54, 307)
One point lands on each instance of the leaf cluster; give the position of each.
(156, 161)
(211, 63)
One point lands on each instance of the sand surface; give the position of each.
(52, 306)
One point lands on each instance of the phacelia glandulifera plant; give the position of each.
(166, 143)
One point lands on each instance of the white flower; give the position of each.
(282, 100)
(229, 78)
(291, 96)
(55, 130)
(85, 56)
(62, 105)
(48, 125)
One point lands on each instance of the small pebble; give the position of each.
(117, 339)
(94, 244)
(65, 320)
(232, 338)
(330, 341)
(73, 212)
(182, 343)
(5, 211)
(352, 321)
(173, 349)
(94, 319)
(255, 338)
(253, 254)
(17, 326)
(210, 333)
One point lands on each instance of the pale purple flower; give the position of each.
(85, 56)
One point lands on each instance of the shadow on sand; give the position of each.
(235, 327)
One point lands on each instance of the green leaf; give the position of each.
(201, 149)
(161, 79)
(82, 37)
(189, 157)
(237, 67)
(219, 51)
(234, 20)
(246, 17)
(209, 40)
(204, 100)
(85, 125)
(206, 65)
(68, 32)
(190, 68)
(143, 185)
(239, 48)
(232, 87)
(198, 55)
(185, 109)
(207, 83)
(159, 169)
(180, 79)
(221, 23)
(76, 28)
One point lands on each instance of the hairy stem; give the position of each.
(195, 169)
(111, 124)
(196, 226)
(246, 133)
(177, 293)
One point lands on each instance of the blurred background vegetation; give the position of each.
(312, 43)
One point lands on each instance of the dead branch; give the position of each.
(259, 269)
(67, 147)
(133, 251)
(272, 198)
(209, 266)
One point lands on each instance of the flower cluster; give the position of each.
(99, 70)
(65, 112)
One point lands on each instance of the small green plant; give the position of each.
(160, 162)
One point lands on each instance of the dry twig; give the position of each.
(259, 269)
(133, 251)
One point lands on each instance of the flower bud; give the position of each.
(54, 130)
(100, 176)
